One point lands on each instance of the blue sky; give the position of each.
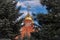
(35, 6)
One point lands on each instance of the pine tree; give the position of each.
(50, 22)
(8, 14)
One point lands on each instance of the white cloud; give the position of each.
(31, 3)
(20, 4)
(37, 1)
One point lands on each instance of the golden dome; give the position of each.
(29, 17)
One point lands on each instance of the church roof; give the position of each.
(28, 17)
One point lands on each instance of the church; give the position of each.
(27, 29)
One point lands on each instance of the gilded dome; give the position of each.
(29, 17)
